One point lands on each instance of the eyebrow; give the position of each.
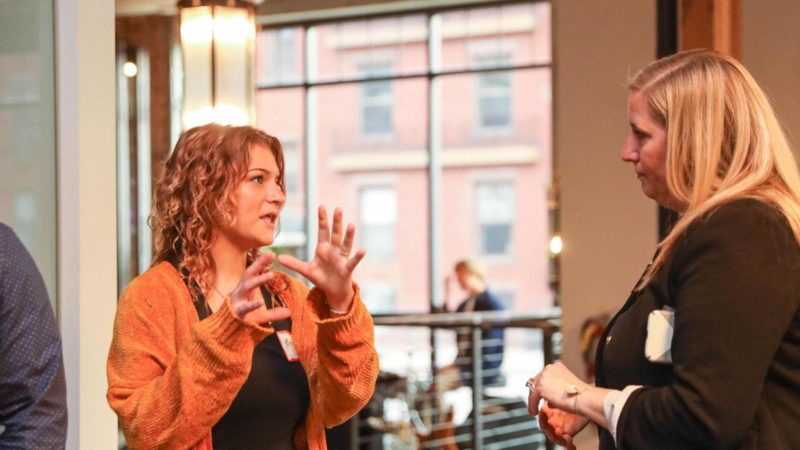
(258, 169)
(636, 127)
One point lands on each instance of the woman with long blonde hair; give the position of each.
(705, 352)
(212, 348)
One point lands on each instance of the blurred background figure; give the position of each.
(33, 401)
(471, 277)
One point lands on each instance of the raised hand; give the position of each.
(246, 304)
(332, 267)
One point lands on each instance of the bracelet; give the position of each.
(575, 391)
(337, 311)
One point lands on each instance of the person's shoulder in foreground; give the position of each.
(33, 411)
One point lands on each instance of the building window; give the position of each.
(494, 100)
(283, 55)
(493, 94)
(378, 214)
(496, 215)
(377, 102)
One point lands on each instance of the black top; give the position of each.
(273, 401)
(734, 282)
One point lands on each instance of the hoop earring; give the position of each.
(277, 228)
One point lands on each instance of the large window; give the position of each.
(27, 136)
(432, 131)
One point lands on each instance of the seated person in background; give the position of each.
(449, 425)
(471, 276)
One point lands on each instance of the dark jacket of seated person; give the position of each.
(492, 341)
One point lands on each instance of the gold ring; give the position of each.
(344, 253)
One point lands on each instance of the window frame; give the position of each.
(434, 75)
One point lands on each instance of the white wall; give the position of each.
(86, 212)
(609, 227)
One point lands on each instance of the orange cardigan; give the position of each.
(172, 377)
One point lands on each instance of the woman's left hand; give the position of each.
(551, 385)
(560, 426)
(332, 267)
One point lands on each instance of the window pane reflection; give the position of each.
(27, 130)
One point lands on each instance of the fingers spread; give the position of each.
(256, 281)
(324, 234)
(347, 245)
(258, 266)
(353, 262)
(336, 235)
(293, 263)
(246, 307)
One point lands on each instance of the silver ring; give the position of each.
(530, 385)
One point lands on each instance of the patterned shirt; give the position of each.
(33, 404)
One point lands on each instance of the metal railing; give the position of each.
(498, 394)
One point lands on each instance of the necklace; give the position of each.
(220, 292)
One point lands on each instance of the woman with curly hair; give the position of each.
(212, 348)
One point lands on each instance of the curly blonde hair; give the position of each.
(193, 196)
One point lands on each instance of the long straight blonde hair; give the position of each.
(724, 141)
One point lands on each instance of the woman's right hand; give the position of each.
(560, 426)
(245, 302)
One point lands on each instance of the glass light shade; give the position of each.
(218, 45)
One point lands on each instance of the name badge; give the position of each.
(285, 338)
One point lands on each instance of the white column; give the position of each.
(87, 260)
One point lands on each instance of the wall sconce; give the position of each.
(218, 47)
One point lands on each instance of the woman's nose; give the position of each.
(276, 195)
(629, 152)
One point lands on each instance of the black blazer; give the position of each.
(734, 281)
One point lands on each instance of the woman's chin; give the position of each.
(263, 239)
(266, 241)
